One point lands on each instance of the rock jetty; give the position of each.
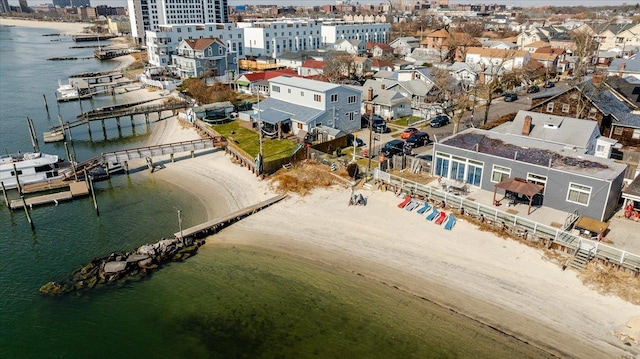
(119, 268)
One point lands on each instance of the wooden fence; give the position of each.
(522, 227)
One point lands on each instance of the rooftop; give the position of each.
(535, 152)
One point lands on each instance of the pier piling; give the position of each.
(26, 211)
(4, 194)
(93, 193)
(15, 172)
(46, 105)
(104, 130)
(69, 130)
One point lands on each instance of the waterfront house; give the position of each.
(565, 179)
(205, 57)
(308, 104)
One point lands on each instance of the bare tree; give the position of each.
(337, 66)
(457, 101)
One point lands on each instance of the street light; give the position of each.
(180, 223)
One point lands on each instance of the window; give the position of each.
(636, 134)
(334, 97)
(442, 164)
(600, 148)
(500, 173)
(550, 107)
(351, 99)
(275, 89)
(289, 90)
(565, 108)
(301, 93)
(618, 131)
(317, 98)
(579, 194)
(537, 179)
(458, 165)
(474, 173)
(351, 116)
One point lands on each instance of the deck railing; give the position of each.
(520, 226)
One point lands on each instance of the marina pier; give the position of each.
(56, 132)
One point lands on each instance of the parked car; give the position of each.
(351, 138)
(533, 89)
(408, 132)
(392, 148)
(378, 125)
(510, 97)
(418, 139)
(549, 84)
(440, 120)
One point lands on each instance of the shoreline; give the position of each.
(65, 28)
(502, 284)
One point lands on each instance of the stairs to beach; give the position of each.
(580, 260)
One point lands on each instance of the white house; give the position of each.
(205, 57)
(332, 31)
(308, 104)
(404, 45)
(507, 59)
(387, 103)
(354, 47)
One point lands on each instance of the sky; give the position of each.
(123, 3)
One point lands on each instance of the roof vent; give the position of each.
(551, 125)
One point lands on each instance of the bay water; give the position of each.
(226, 302)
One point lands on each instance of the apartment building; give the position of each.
(162, 43)
(332, 31)
(273, 38)
(148, 15)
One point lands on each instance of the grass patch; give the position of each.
(249, 141)
(405, 121)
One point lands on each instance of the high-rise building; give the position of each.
(149, 14)
(4, 6)
(24, 7)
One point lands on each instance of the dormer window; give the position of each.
(565, 108)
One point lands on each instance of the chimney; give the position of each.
(382, 86)
(526, 127)
(597, 79)
(623, 64)
(370, 94)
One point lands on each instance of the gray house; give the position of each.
(571, 132)
(310, 104)
(205, 57)
(569, 180)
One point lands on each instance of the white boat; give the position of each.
(68, 92)
(31, 167)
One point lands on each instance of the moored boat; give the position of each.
(31, 167)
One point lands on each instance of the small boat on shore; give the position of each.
(31, 167)
(68, 92)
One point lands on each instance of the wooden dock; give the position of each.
(76, 189)
(211, 227)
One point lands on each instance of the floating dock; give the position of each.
(76, 189)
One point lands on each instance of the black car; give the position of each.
(392, 148)
(549, 84)
(418, 139)
(510, 97)
(533, 89)
(351, 138)
(439, 121)
(379, 125)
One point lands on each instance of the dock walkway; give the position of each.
(210, 227)
(76, 189)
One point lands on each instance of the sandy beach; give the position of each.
(65, 28)
(496, 281)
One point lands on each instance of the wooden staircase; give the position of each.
(580, 260)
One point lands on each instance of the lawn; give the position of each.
(405, 121)
(249, 141)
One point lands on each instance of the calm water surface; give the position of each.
(226, 302)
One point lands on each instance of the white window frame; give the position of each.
(566, 108)
(538, 179)
(317, 98)
(499, 169)
(351, 99)
(583, 190)
(636, 134)
(275, 88)
(333, 98)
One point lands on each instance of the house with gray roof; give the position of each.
(307, 105)
(567, 180)
(577, 134)
(387, 103)
(628, 69)
(404, 45)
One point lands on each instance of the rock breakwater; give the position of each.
(119, 268)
